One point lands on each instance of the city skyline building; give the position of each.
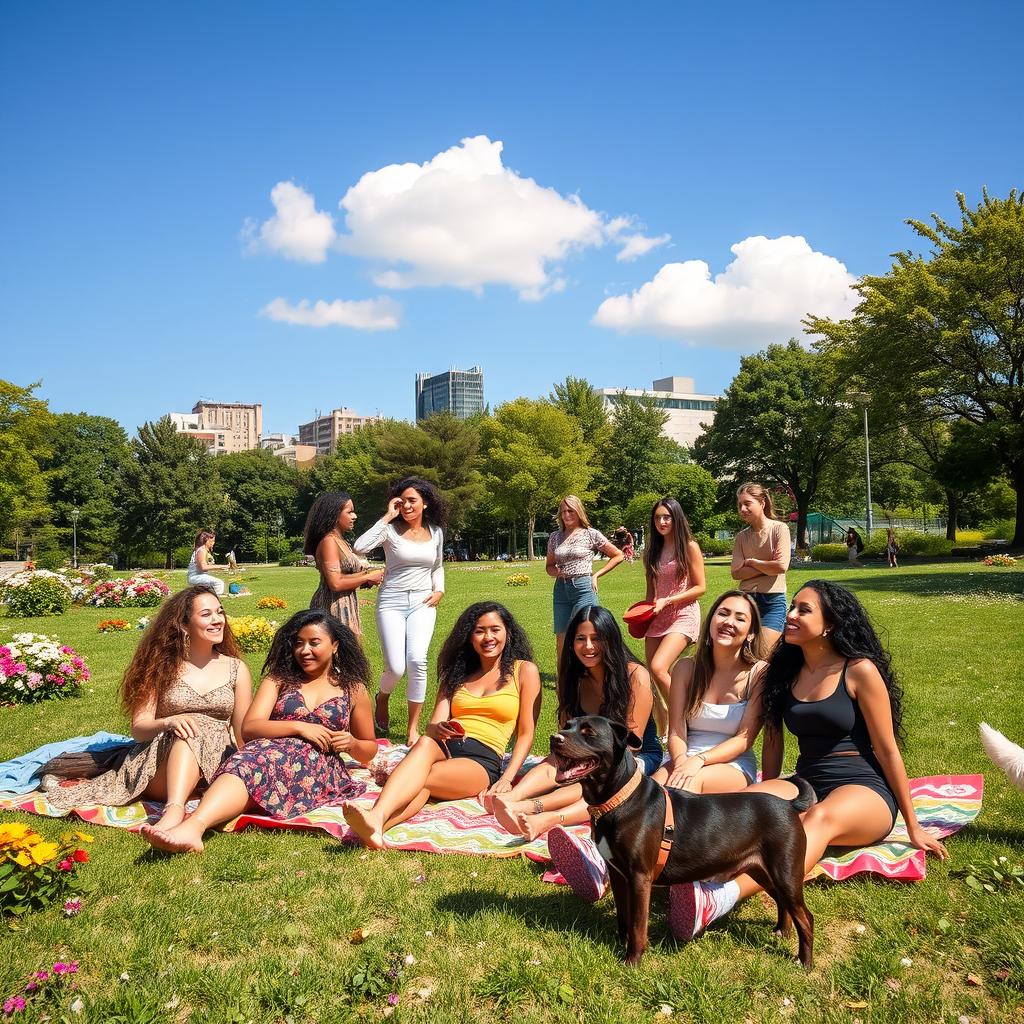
(688, 412)
(322, 432)
(456, 391)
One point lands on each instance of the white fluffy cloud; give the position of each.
(465, 220)
(635, 246)
(365, 315)
(298, 230)
(762, 295)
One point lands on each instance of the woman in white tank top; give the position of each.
(715, 702)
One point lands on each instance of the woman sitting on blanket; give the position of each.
(831, 684)
(310, 709)
(488, 687)
(597, 675)
(185, 685)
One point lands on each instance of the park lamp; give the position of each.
(74, 536)
(863, 399)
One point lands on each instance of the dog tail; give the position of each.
(806, 797)
(1004, 754)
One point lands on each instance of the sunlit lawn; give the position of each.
(258, 929)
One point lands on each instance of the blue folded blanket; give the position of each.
(22, 774)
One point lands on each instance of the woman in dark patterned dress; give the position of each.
(311, 709)
(342, 571)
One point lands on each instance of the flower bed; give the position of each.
(113, 625)
(271, 602)
(37, 592)
(253, 632)
(1004, 561)
(518, 579)
(45, 987)
(35, 873)
(140, 591)
(35, 667)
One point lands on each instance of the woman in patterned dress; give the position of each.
(342, 571)
(184, 687)
(311, 709)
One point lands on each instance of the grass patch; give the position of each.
(258, 929)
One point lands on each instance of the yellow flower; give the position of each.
(83, 837)
(44, 852)
(13, 831)
(24, 860)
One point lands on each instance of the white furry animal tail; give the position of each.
(1006, 755)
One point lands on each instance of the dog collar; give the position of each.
(596, 810)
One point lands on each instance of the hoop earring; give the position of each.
(187, 645)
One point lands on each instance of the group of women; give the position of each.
(815, 668)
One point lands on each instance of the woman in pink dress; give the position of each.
(674, 568)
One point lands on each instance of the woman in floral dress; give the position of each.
(311, 710)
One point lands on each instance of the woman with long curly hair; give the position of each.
(597, 675)
(410, 531)
(342, 571)
(674, 568)
(831, 684)
(186, 689)
(310, 709)
(488, 688)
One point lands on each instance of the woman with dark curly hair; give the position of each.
(310, 709)
(831, 684)
(342, 571)
(185, 688)
(597, 675)
(488, 688)
(411, 591)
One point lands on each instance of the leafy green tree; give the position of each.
(352, 468)
(24, 422)
(947, 331)
(576, 397)
(86, 458)
(169, 490)
(260, 491)
(695, 489)
(786, 418)
(536, 454)
(636, 450)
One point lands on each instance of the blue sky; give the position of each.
(141, 146)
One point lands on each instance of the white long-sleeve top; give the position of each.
(409, 565)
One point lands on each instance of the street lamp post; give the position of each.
(74, 536)
(863, 398)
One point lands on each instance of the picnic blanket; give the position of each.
(944, 804)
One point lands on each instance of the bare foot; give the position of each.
(361, 821)
(174, 814)
(506, 811)
(412, 739)
(382, 716)
(533, 826)
(177, 840)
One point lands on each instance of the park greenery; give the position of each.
(279, 926)
(935, 349)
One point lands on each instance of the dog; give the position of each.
(649, 835)
(1005, 754)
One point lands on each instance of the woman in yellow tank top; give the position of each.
(488, 688)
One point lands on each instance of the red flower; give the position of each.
(81, 856)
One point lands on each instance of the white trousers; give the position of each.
(208, 580)
(405, 625)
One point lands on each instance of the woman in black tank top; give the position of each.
(831, 684)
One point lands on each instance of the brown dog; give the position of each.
(707, 837)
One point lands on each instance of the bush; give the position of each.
(829, 553)
(35, 873)
(181, 556)
(271, 602)
(712, 546)
(35, 667)
(253, 632)
(99, 571)
(39, 595)
(52, 559)
(296, 557)
(1001, 529)
(143, 591)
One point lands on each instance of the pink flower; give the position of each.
(4, 651)
(42, 975)
(66, 650)
(32, 986)
(64, 865)
(72, 907)
(393, 999)
(14, 1004)
(77, 662)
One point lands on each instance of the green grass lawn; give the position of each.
(258, 928)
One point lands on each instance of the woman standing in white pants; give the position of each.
(413, 587)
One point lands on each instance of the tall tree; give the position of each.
(576, 397)
(947, 330)
(786, 418)
(352, 469)
(87, 456)
(536, 455)
(636, 450)
(260, 491)
(24, 423)
(169, 490)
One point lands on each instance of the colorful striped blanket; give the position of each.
(944, 804)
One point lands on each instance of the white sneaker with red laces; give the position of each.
(692, 906)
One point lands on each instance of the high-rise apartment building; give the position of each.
(457, 391)
(323, 432)
(223, 426)
(688, 412)
(216, 441)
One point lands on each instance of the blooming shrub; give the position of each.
(35, 667)
(112, 625)
(34, 872)
(253, 632)
(139, 591)
(1005, 561)
(35, 592)
(42, 987)
(517, 579)
(271, 602)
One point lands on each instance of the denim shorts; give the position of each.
(570, 595)
(773, 610)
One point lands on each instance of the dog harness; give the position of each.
(668, 832)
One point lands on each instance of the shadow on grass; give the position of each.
(979, 583)
(1004, 836)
